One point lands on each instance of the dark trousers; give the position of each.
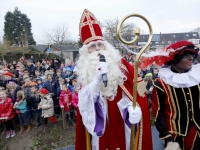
(9, 125)
(45, 121)
(69, 115)
(23, 119)
(37, 115)
(56, 106)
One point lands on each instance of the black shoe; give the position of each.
(37, 125)
(57, 115)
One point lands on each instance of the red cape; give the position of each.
(127, 87)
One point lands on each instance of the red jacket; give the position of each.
(6, 109)
(74, 100)
(65, 100)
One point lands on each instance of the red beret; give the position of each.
(8, 74)
(44, 91)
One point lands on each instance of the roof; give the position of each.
(65, 47)
(40, 47)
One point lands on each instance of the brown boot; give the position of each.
(29, 128)
(21, 129)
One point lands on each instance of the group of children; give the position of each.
(35, 101)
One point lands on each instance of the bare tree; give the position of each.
(110, 30)
(58, 35)
(4, 47)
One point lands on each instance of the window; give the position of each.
(194, 34)
(174, 35)
(169, 42)
(156, 42)
(187, 35)
(163, 42)
(156, 37)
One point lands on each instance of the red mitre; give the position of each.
(89, 28)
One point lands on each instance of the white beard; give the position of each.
(87, 64)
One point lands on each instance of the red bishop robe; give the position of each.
(114, 134)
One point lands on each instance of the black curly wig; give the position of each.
(179, 55)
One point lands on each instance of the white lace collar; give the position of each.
(179, 80)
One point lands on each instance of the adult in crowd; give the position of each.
(33, 59)
(67, 60)
(175, 98)
(31, 68)
(107, 112)
(56, 63)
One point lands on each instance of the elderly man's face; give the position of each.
(96, 46)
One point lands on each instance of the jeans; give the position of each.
(29, 112)
(23, 119)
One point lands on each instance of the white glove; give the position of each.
(61, 106)
(134, 114)
(101, 69)
(172, 146)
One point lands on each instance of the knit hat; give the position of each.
(44, 91)
(8, 74)
(68, 69)
(12, 80)
(39, 78)
(148, 75)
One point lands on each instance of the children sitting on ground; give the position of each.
(21, 109)
(7, 113)
(47, 107)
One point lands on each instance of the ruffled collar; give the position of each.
(181, 80)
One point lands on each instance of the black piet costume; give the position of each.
(176, 99)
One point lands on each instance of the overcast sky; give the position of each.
(166, 16)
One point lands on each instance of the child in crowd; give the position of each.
(37, 75)
(68, 76)
(149, 87)
(58, 74)
(61, 81)
(35, 100)
(39, 83)
(65, 102)
(74, 100)
(73, 85)
(47, 107)
(6, 113)
(27, 92)
(21, 110)
(2, 86)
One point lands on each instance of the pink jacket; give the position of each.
(65, 100)
(6, 109)
(75, 100)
